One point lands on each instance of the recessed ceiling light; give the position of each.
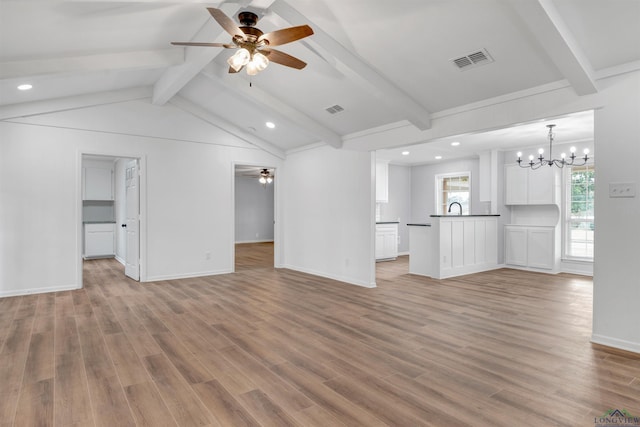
(270, 125)
(405, 153)
(438, 157)
(455, 143)
(25, 86)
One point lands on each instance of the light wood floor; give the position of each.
(278, 348)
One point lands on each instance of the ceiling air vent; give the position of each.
(335, 109)
(472, 60)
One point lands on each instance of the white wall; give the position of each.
(187, 203)
(423, 187)
(329, 216)
(616, 313)
(253, 210)
(399, 206)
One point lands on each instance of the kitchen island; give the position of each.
(453, 245)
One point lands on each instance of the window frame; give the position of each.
(439, 179)
(567, 219)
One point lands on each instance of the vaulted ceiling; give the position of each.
(383, 62)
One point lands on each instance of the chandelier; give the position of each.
(561, 162)
(265, 177)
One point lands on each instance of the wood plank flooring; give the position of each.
(266, 347)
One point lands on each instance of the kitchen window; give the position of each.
(451, 188)
(579, 213)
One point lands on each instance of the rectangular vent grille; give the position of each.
(472, 60)
(335, 109)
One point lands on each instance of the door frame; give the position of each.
(276, 210)
(142, 235)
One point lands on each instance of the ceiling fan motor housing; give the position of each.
(248, 19)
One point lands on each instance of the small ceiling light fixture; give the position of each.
(270, 125)
(25, 86)
(405, 153)
(265, 177)
(455, 143)
(438, 157)
(561, 162)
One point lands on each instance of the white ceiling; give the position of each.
(383, 62)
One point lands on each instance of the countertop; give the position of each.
(463, 216)
(419, 225)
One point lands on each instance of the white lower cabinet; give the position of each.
(386, 241)
(530, 246)
(99, 240)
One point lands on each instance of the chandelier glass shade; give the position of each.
(536, 163)
(254, 61)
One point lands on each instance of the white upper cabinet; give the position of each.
(382, 182)
(97, 182)
(524, 186)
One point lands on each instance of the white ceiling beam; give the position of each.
(226, 126)
(277, 108)
(35, 108)
(415, 113)
(147, 59)
(547, 26)
(196, 58)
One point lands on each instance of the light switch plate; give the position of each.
(622, 189)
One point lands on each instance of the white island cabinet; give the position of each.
(453, 245)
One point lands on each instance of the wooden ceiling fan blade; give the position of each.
(225, 45)
(226, 22)
(233, 70)
(283, 58)
(287, 35)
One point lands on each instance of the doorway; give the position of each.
(110, 212)
(254, 210)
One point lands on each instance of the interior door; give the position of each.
(132, 258)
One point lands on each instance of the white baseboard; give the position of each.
(344, 279)
(239, 242)
(616, 343)
(187, 276)
(31, 291)
(403, 253)
(121, 261)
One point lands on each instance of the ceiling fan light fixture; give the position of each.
(239, 59)
(257, 63)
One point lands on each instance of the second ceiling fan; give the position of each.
(254, 51)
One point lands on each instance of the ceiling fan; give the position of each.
(254, 51)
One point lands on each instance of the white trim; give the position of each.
(30, 291)
(142, 209)
(305, 148)
(616, 343)
(254, 241)
(187, 276)
(343, 279)
(403, 253)
(438, 190)
(276, 206)
(120, 260)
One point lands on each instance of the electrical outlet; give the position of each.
(622, 189)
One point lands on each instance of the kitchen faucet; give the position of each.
(455, 203)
